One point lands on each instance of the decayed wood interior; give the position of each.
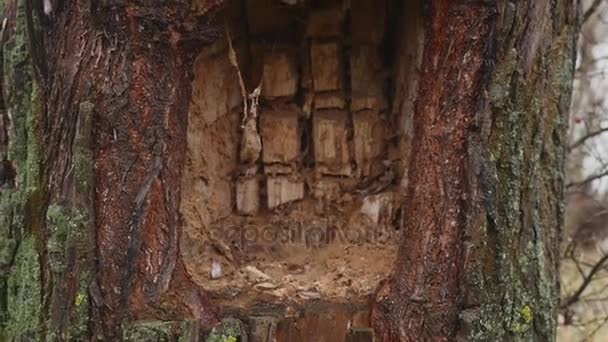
(300, 200)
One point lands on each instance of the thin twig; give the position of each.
(588, 179)
(582, 140)
(600, 326)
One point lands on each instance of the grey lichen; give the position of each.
(83, 154)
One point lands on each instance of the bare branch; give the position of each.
(592, 10)
(599, 326)
(582, 140)
(586, 281)
(588, 179)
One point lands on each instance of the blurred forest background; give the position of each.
(584, 268)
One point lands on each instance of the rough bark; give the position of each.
(90, 237)
(20, 290)
(478, 260)
(133, 63)
(113, 85)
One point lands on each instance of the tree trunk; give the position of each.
(109, 105)
(479, 257)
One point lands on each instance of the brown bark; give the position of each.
(133, 62)
(443, 195)
(464, 199)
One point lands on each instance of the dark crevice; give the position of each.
(7, 175)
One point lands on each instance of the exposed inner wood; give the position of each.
(315, 214)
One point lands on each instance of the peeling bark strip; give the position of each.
(423, 301)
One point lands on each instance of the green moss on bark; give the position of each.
(20, 286)
(155, 331)
(515, 275)
(229, 330)
(67, 250)
(24, 300)
(71, 242)
(21, 208)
